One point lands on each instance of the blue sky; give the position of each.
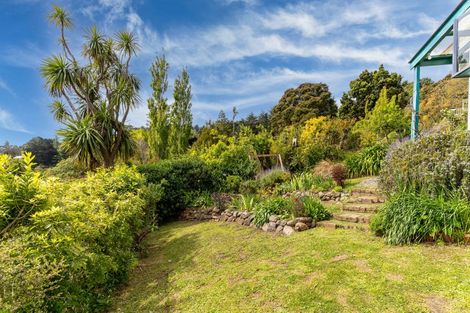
(241, 53)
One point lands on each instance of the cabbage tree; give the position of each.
(94, 93)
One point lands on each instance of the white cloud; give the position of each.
(4, 86)
(8, 122)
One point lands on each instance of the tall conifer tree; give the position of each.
(159, 111)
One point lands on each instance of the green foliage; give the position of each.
(98, 95)
(435, 164)
(67, 169)
(232, 183)
(386, 122)
(365, 91)
(44, 151)
(367, 161)
(314, 209)
(181, 119)
(271, 206)
(272, 178)
(411, 217)
(245, 203)
(198, 199)
(250, 186)
(307, 182)
(302, 103)
(20, 192)
(159, 111)
(178, 177)
(232, 159)
(72, 253)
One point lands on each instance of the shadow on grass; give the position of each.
(150, 287)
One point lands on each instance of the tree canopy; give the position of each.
(44, 150)
(365, 90)
(302, 103)
(94, 93)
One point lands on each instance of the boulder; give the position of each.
(301, 226)
(283, 223)
(274, 218)
(265, 227)
(291, 223)
(272, 226)
(244, 215)
(305, 220)
(279, 229)
(288, 230)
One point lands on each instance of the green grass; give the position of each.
(209, 267)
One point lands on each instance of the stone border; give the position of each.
(274, 225)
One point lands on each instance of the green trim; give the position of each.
(437, 60)
(444, 29)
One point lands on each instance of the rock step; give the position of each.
(362, 208)
(335, 224)
(366, 199)
(353, 217)
(370, 192)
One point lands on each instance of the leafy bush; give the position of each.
(250, 186)
(232, 183)
(436, 164)
(307, 182)
(198, 199)
(271, 206)
(315, 209)
(179, 177)
(244, 203)
(412, 217)
(20, 192)
(67, 169)
(71, 253)
(272, 178)
(367, 161)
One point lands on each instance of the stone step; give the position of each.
(362, 208)
(366, 199)
(353, 217)
(370, 192)
(335, 224)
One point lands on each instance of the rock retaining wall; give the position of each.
(274, 225)
(323, 196)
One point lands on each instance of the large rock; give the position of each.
(265, 227)
(288, 230)
(274, 218)
(272, 226)
(291, 223)
(299, 226)
(305, 220)
(279, 229)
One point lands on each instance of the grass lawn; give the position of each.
(209, 267)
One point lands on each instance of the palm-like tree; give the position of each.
(94, 99)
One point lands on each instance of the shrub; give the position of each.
(307, 182)
(67, 169)
(70, 255)
(271, 206)
(412, 217)
(367, 161)
(272, 178)
(244, 203)
(339, 174)
(20, 192)
(436, 164)
(178, 177)
(232, 183)
(198, 199)
(315, 209)
(249, 186)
